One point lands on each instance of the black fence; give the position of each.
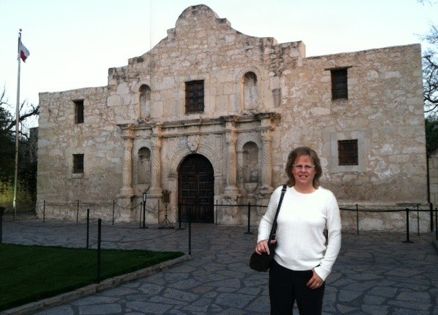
(248, 208)
(415, 209)
(93, 234)
(184, 216)
(79, 209)
(186, 219)
(408, 210)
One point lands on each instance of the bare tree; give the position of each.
(7, 121)
(430, 74)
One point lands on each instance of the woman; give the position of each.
(304, 256)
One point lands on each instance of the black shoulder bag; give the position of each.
(262, 262)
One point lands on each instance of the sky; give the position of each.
(72, 43)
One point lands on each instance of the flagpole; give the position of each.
(17, 126)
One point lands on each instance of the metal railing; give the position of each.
(79, 208)
(188, 220)
(408, 210)
(250, 209)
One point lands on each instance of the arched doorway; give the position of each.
(196, 188)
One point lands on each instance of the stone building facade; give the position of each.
(209, 115)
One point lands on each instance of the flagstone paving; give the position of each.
(376, 273)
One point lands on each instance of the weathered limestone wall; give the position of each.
(60, 138)
(261, 99)
(383, 111)
(201, 47)
(206, 48)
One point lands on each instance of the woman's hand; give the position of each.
(262, 247)
(315, 282)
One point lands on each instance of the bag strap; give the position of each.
(274, 224)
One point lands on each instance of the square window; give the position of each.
(339, 83)
(78, 163)
(79, 111)
(194, 96)
(348, 152)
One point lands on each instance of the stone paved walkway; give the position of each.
(375, 273)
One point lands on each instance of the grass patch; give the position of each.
(31, 273)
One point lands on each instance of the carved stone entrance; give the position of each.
(196, 189)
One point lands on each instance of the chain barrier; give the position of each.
(92, 242)
(189, 208)
(407, 210)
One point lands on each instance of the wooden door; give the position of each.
(196, 189)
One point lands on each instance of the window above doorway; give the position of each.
(194, 96)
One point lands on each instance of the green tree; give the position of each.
(6, 142)
(27, 166)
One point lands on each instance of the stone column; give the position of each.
(266, 162)
(231, 189)
(127, 190)
(156, 188)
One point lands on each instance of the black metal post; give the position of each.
(139, 216)
(77, 212)
(428, 190)
(215, 208)
(418, 220)
(144, 209)
(44, 211)
(114, 206)
(249, 219)
(190, 235)
(99, 239)
(407, 227)
(436, 224)
(2, 210)
(357, 219)
(144, 214)
(88, 229)
(179, 216)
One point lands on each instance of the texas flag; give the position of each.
(23, 52)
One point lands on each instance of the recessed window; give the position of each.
(348, 152)
(78, 163)
(145, 101)
(250, 90)
(339, 83)
(194, 96)
(79, 111)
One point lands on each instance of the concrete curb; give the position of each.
(93, 288)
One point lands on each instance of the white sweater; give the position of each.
(301, 244)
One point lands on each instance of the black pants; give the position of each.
(286, 286)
